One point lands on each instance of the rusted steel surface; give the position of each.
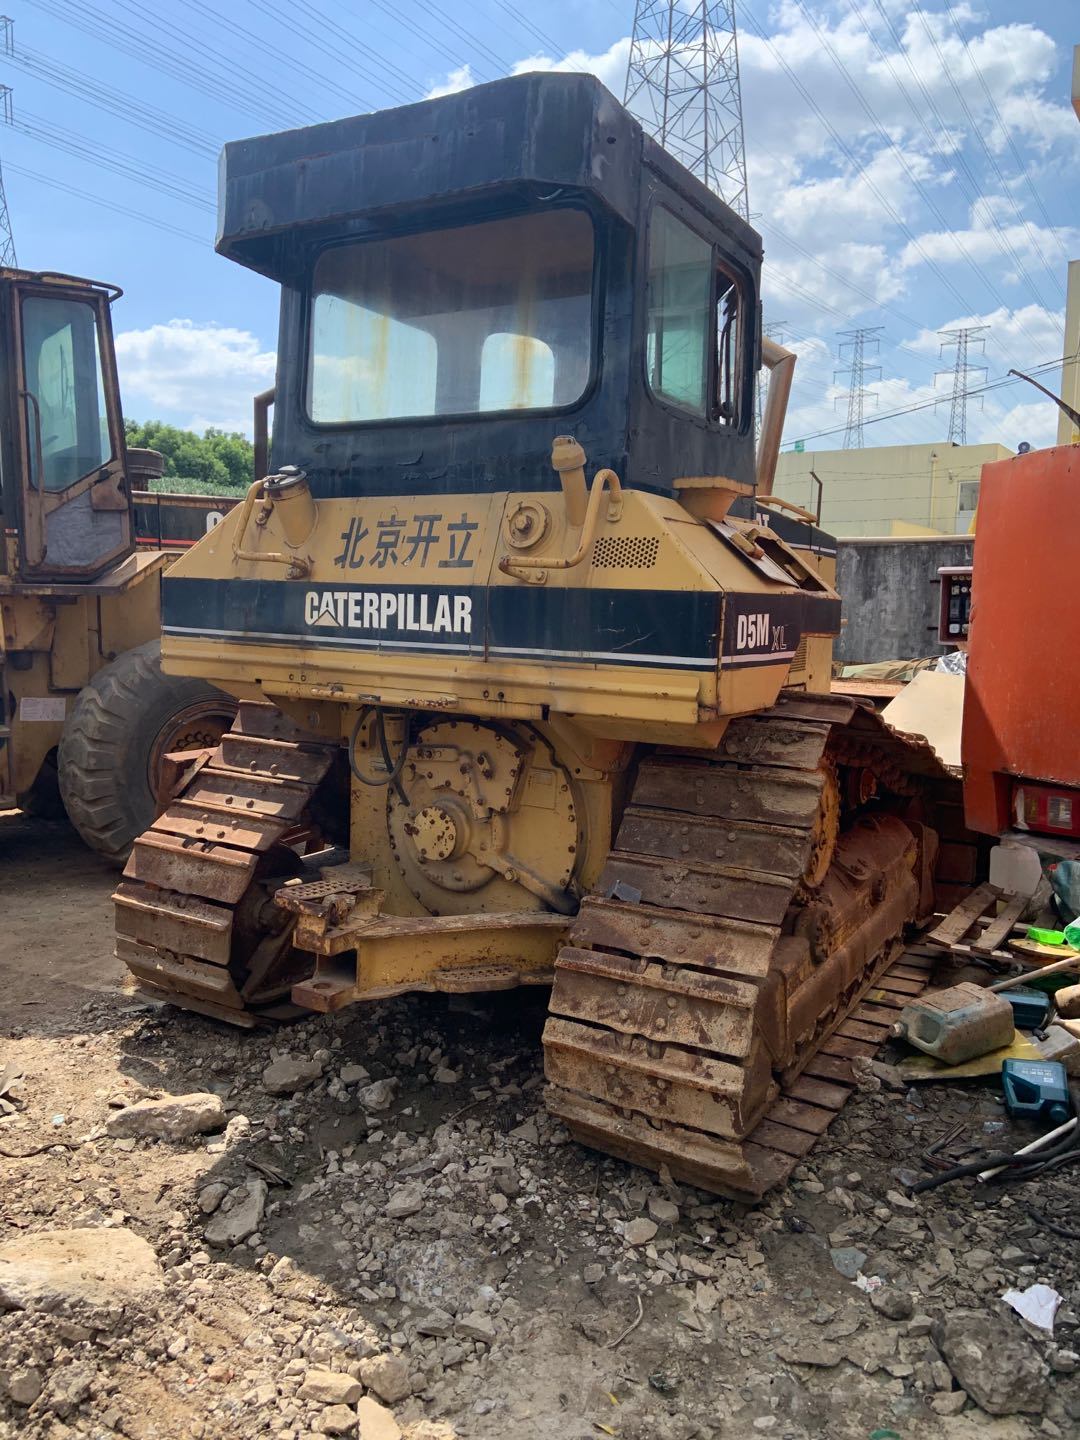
(191, 918)
(709, 1002)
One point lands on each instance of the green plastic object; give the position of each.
(1072, 934)
(1046, 937)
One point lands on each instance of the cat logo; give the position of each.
(437, 613)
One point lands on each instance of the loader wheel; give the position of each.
(123, 722)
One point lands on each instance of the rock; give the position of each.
(664, 1212)
(231, 1227)
(173, 1117)
(68, 1388)
(388, 1376)
(24, 1385)
(211, 1196)
(64, 1270)
(476, 1327)
(848, 1260)
(949, 1402)
(330, 1387)
(893, 1303)
(994, 1362)
(528, 1131)
(445, 1076)
(337, 1420)
(437, 1323)
(592, 1274)
(353, 1074)
(640, 1231)
(919, 1325)
(285, 1076)
(811, 1352)
(378, 1095)
(375, 1421)
(406, 1200)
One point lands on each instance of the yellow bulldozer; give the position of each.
(518, 622)
(86, 714)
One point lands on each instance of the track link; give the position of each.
(195, 922)
(709, 1000)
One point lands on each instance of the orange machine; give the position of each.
(1021, 729)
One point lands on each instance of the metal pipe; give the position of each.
(602, 480)
(261, 456)
(780, 364)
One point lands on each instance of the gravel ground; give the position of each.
(375, 1231)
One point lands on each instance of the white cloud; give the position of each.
(194, 375)
(459, 79)
(609, 66)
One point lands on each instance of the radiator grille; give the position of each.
(626, 552)
(799, 662)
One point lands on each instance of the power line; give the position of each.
(857, 370)
(84, 195)
(930, 404)
(961, 338)
(917, 185)
(682, 83)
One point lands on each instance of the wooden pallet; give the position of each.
(973, 929)
(808, 1106)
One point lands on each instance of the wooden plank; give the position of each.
(874, 1014)
(960, 920)
(899, 988)
(1000, 927)
(782, 1138)
(859, 1030)
(818, 1092)
(799, 1115)
(830, 1068)
(905, 971)
(844, 1047)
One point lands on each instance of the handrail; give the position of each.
(602, 480)
(266, 557)
(783, 504)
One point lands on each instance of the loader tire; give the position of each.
(122, 723)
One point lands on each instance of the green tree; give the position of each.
(216, 462)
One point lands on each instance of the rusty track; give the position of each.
(195, 922)
(709, 1026)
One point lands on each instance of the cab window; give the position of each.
(66, 392)
(471, 320)
(677, 338)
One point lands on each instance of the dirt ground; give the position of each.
(404, 1216)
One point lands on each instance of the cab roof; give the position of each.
(530, 135)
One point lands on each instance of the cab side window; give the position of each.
(680, 283)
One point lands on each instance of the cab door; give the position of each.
(75, 508)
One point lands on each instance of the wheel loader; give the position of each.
(86, 714)
(517, 622)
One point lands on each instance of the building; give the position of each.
(889, 489)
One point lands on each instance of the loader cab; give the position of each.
(63, 496)
(464, 279)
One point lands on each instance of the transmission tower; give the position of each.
(962, 337)
(858, 372)
(7, 239)
(682, 83)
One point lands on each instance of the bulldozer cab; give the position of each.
(464, 279)
(63, 495)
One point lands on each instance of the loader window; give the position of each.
(471, 320)
(680, 284)
(728, 349)
(62, 365)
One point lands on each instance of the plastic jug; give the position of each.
(957, 1024)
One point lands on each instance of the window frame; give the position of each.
(89, 301)
(722, 261)
(458, 222)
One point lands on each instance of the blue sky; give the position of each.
(931, 179)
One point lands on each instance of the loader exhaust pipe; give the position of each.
(780, 364)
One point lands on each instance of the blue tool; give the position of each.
(1036, 1088)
